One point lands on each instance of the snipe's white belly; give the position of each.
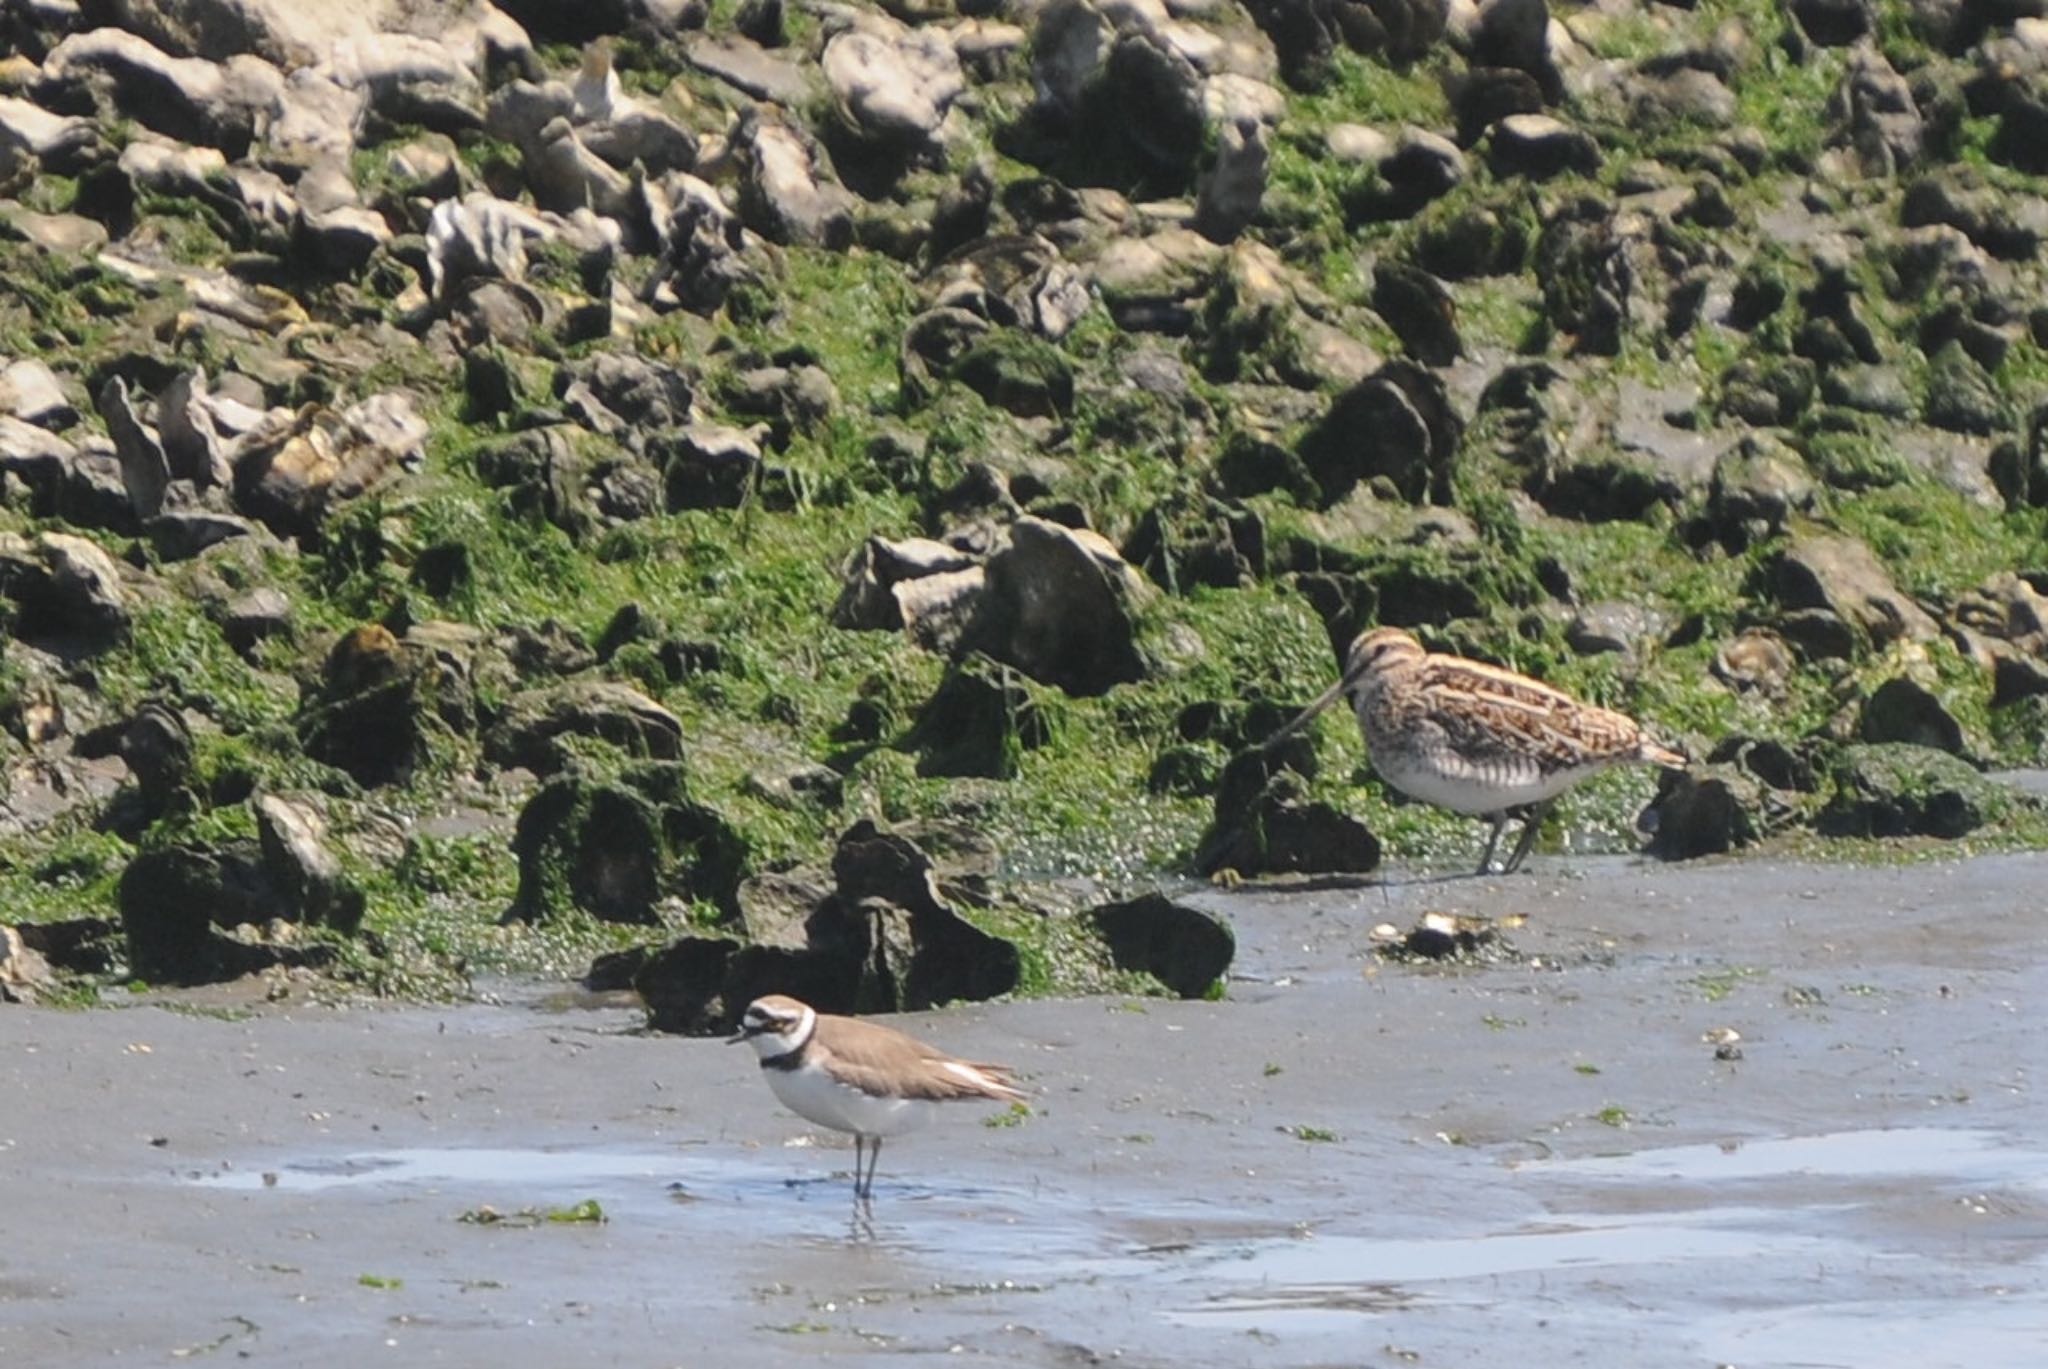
(1448, 780)
(816, 1096)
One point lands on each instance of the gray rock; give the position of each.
(1841, 576)
(566, 176)
(891, 84)
(1235, 185)
(1757, 486)
(25, 977)
(29, 391)
(145, 471)
(480, 235)
(703, 246)
(316, 119)
(302, 867)
(58, 142)
(785, 193)
(1755, 659)
(256, 617)
(1070, 46)
(64, 235)
(64, 588)
(1614, 625)
(749, 68)
(519, 110)
(215, 104)
(1877, 116)
(1960, 396)
(528, 734)
(342, 240)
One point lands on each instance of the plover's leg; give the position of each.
(1532, 818)
(860, 1150)
(874, 1159)
(1500, 822)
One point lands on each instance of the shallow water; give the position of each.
(1786, 1251)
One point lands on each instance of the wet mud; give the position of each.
(1733, 1113)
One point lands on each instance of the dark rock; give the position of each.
(65, 590)
(181, 534)
(1398, 423)
(75, 945)
(616, 849)
(156, 746)
(1422, 167)
(1184, 948)
(949, 957)
(1261, 825)
(1904, 710)
(535, 723)
(173, 900)
(1960, 397)
(683, 986)
(1703, 811)
(1304, 39)
(1015, 370)
(979, 721)
(1158, 93)
(1419, 309)
(1834, 23)
(378, 707)
(1473, 241)
(1587, 277)
(1766, 393)
(1895, 790)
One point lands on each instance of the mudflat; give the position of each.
(1746, 1113)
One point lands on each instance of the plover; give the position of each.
(860, 1077)
(1475, 738)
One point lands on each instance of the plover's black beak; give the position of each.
(742, 1034)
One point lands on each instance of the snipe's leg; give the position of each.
(1500, 822)
(1531, 821)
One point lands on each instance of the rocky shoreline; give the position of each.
(748, 493)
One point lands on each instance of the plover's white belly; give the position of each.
(1448, 780)
(816, 1096)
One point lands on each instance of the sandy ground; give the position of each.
(1533, 1164)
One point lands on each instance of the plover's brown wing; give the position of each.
(883, 1062)
(1484, 709)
